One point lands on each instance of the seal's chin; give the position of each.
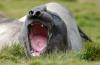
(38, 38)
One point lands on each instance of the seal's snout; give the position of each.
(34, 13)
(31, 12)
(37, 13)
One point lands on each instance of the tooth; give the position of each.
(42, 25)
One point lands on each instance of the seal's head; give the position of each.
(39, 26)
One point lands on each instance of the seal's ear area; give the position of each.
(83, 35)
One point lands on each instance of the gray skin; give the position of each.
(63, 34)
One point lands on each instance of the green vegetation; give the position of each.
(90, 52)
(15, 55)
(12, 53)
(87, 15)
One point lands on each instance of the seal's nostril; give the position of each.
(37, 13)
(31, 12)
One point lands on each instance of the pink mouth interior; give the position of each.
(38, 35)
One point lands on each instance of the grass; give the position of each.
(15, 55)
(91, 52)
(87, 15)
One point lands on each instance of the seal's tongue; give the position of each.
(38, 36)
(38, 44)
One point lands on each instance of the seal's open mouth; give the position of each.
(38, 38)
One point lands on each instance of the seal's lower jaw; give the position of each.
(38, 38)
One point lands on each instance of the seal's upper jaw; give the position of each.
(38, 38)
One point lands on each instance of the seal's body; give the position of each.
(9, 31)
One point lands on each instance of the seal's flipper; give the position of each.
(83, 35)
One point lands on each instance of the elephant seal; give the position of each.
(48, 28)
